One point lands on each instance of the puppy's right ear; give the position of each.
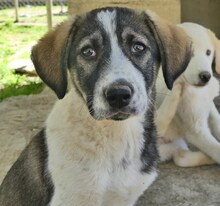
(49, 56)
(217, 55)
(174, 46)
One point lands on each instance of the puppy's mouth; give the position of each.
(201, 84)
(119, 116)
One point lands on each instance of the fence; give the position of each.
(31, 11)
(4, 4)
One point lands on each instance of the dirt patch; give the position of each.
(20, 118)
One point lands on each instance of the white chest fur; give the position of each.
(94, 162)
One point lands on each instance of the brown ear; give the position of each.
(174, 45)
(216, 43)
(49, 56)
(217, 56)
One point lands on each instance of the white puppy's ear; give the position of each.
(216, 43)
(174, 45)
(217, 56)
(49, 56)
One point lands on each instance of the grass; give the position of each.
(32, 88)
(16, 41)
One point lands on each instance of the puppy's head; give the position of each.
(113, 55)
(206, 49)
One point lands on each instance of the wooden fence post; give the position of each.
(16, 11)
(49, 4)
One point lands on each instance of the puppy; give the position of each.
(188, 111)
(98, 146)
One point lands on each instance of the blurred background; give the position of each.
(23, 22)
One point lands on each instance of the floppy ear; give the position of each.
(174, 45)
(49, 56)
(217, 56)
(216, 43)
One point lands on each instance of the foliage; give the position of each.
(16, 41)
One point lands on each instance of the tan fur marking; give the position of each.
(216, 43)
(174, 45)
(47, 55)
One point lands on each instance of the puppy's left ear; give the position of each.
(216, 43)
(174, 45)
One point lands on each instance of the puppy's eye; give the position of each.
(88, 52)
(208, 52)
(138, 47)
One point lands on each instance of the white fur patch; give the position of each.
(119, 67)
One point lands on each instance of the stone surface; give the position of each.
(21, 118)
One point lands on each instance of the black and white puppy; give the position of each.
(98, 146)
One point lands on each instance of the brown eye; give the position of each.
(208, 52)
(88, 52)
(138, 47)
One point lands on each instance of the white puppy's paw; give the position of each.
(166, 150)
(187, 158)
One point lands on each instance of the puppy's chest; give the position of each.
(113, 148)
(106, 158)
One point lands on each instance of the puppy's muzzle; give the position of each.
(119, 94)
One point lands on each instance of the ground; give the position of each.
(21, 117)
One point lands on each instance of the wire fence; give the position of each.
(31, 11)
(4, 4)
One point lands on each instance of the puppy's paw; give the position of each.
(166, 151)
(187, 158)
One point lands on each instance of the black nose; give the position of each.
(205, 76)
(119, 96)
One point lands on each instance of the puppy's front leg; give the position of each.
(205, 141)
(78, 185)
(187, 158)
(214, 122)
(167, 109)
(117, 199)
(83, 198)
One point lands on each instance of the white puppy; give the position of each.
(188, 111)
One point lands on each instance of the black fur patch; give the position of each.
(28, 182)
(150, 155)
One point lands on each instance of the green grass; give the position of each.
(32, 88)
(16, 41)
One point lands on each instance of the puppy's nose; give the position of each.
(205, 76)
(119, 96)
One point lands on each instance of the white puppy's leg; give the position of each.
(205, 141)
(168, 150)
(187, 158)
(167, 109)
(214, 122)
